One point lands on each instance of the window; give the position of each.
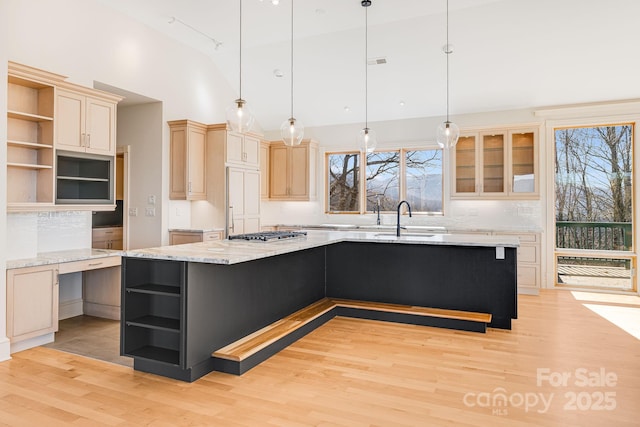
(344, 182)
(383, 180)
(594, 207)
(423, 172)
(386, 178)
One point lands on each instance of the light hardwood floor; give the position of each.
(353, 372)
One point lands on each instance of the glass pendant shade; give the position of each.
(367, 140)
(239, 116)
(447, 134)
(292, 131)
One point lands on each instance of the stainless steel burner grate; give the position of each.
(268, 235)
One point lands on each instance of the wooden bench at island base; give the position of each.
(245, 353)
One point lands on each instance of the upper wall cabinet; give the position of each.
(86, 121)
(501, 163)
(188, 154)
(292, 170)
(240, 149)
(35, 121)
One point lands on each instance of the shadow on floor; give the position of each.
(91, 337)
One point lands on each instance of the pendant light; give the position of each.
(292, 130)
(448, 132)
(239, 116)
(367, 140)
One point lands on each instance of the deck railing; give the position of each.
(617, 236)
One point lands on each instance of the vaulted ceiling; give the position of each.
(508, 54)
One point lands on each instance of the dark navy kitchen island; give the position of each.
(181, 304)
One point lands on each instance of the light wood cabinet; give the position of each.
(120, 177)
(244, 201)
(107, 238)
(30, 137)
(292, 171)
(239, 149)
(32, 301)
(85, 120)
(181, 237)
(188, 160)
(38, 122)
(501, 163)
(264, 169)
(528, 261)
(234, 179)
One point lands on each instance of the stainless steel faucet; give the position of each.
(398, 220)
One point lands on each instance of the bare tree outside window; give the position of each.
(383, 180)
(423, 173)
(390, 176)
(344, 182)
(594, 187)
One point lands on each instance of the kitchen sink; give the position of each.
(393, 235)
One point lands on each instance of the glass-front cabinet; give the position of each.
(496, 164)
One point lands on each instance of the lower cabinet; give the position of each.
(182, 237)
(32, 301)
(107, 238)
(528, 261)
(153, 309)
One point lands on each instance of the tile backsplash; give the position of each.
(31, 233)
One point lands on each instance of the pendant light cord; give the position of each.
(292, 59)
(447, 52)
(240, 89)
(366, 67)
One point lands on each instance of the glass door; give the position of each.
(594, 207)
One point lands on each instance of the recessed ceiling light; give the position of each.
(278, 72)
(347, 109)
(275, 2)
(402, 103)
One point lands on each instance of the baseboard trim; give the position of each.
(5, 349)
(71, 308)
(102, 310)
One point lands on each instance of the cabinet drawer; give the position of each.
(213, 235)
(528, 253)
(89, 264)
(528, 237)
(528, 276)
(107, 233)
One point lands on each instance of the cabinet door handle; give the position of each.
(83, 137)
(89, 140)
(189, 186)
(94, 264)
(233, 225)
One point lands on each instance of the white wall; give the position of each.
(141, 128)
(408, 133)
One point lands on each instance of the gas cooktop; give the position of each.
(264, 236)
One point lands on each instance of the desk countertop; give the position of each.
(58, 257)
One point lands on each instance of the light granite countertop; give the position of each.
(58, 257)
(237, 251)
(410, 228)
